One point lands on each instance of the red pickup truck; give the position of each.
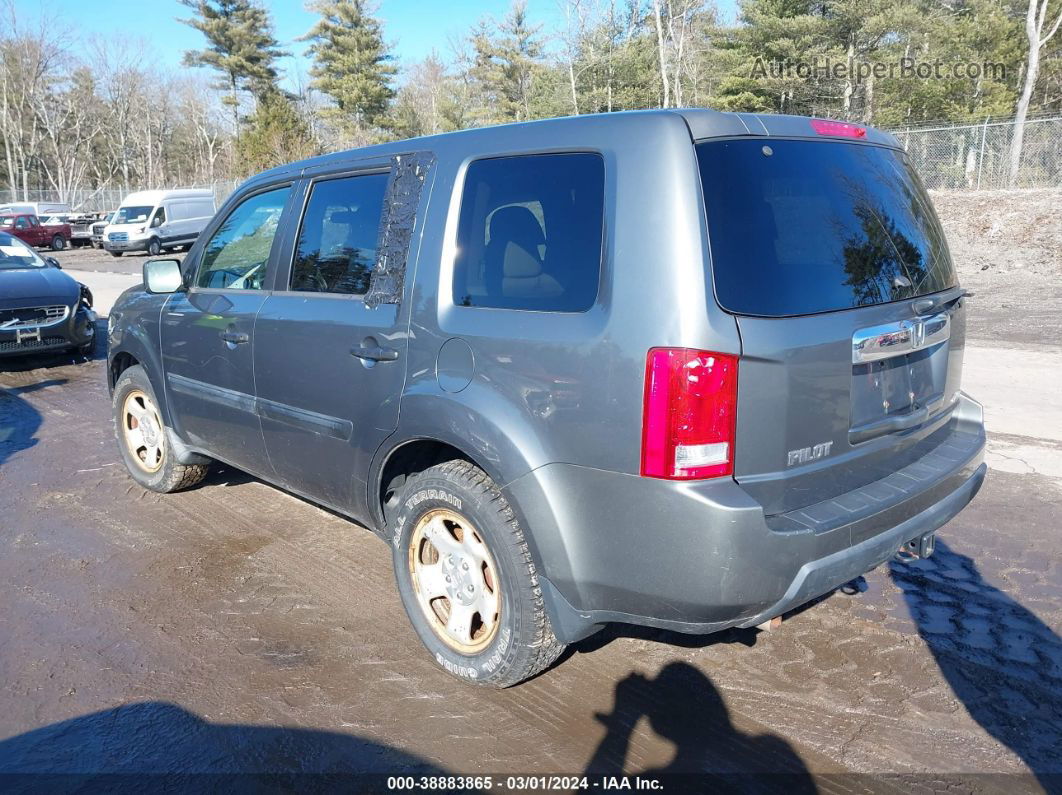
(29, 229)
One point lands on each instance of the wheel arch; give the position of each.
(130, 345)
(403, 458)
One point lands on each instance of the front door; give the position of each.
(208, 334)
(329, 368)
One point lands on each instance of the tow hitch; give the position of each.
(921, 547)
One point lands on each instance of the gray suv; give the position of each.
(683, 369)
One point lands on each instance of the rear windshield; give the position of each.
(799, 227)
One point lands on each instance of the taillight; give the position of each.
(689, 414)
(828, 127)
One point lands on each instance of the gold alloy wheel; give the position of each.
(142, 431)
(455, 581)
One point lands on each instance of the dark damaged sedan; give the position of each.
(42, 309)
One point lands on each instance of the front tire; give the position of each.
(116, 253)
(58, 243)
(467, 580)
(154, 247)
(142, 438)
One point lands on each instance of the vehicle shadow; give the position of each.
(19, 421)
(1002, 662)
(683, 706)
(156, 745)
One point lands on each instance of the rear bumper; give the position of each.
(702, 556)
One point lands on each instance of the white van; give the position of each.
(158, 220)
(39, 209)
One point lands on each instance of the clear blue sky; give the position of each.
(414, 27)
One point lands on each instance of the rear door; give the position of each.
(208, 333)
(852, 325)
(330, 340)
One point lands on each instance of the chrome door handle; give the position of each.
(375, 354)
(235, 337)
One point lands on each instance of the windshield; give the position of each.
(799, 227)
(131, 215)
(16, 254)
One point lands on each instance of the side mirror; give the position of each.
(162, 275)
(53, 262)
(156, 222)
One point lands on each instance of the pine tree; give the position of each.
(241, 46)
(504, 66)
(276, 134)
(352, 64)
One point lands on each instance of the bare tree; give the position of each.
(69, 125)
(1035, 18)
(28, 64)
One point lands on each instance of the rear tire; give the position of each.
(450, 515)
(142, 438)
(58, 243)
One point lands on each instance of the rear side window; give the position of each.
(529, 233)
(800, 227)
(337, 242)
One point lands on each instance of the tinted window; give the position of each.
(337, 242)
(798, 227)
(237, 254)
(529, 234)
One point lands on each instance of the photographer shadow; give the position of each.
(684, 707)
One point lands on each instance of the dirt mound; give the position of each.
(1007, 246)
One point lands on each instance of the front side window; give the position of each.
(530, 231)
(160, 217)
(337, 242)
(22, 222)
(237, 254)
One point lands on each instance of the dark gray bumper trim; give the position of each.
(821, 576)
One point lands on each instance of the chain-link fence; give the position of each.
(977, 156)
(954, 157)
(109, 198)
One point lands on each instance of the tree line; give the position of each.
(110, 118)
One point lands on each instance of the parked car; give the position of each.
(30, 229)
(41, 308)
(158, 220)
(99, 227)
(684, 369)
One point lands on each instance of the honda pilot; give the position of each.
(683, 369)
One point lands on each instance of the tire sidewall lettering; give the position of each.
(490, 660)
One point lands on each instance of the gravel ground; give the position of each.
(1007, 246)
